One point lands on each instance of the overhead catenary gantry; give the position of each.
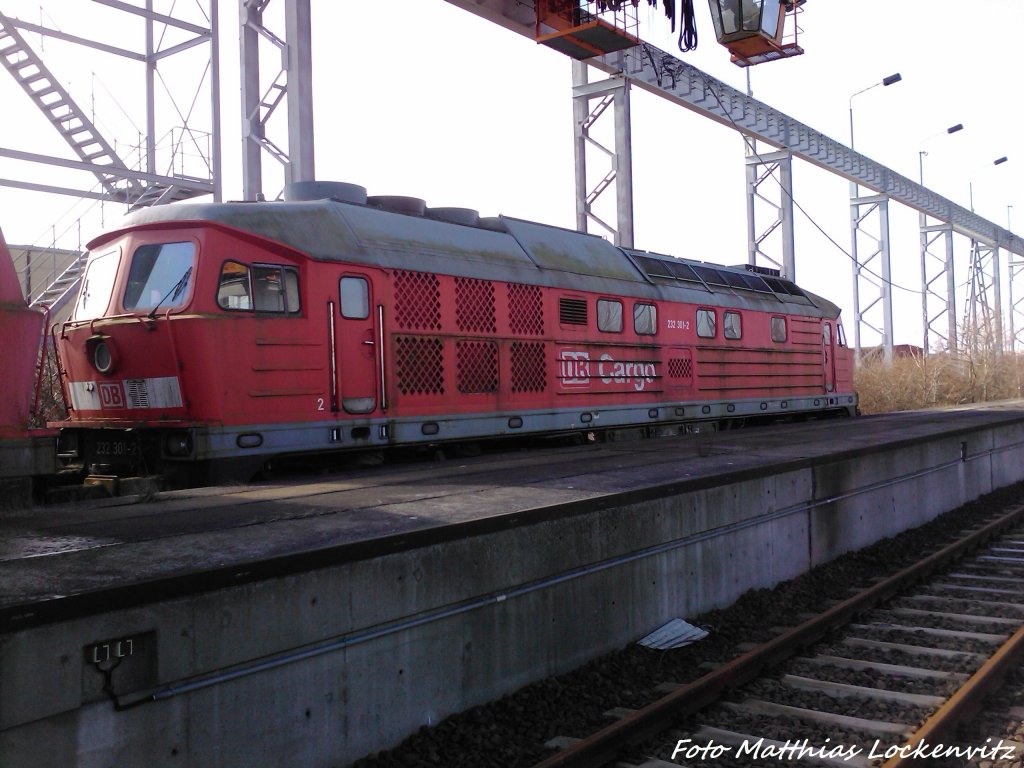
(152, 178)
(982, 325)
(156, 171)
(938, 286)
(640, 65)
(292, 83)
(614, 94)
(178, 153)
(1016, 302)
(664, 75)
(182, 159)
(872, 269)
(770, 189)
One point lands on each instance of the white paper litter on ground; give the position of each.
(675, 634)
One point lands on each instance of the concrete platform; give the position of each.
(311, 623)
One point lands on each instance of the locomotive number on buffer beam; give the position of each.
(111, 448)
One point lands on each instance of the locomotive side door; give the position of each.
(828, 351)
(356, 345)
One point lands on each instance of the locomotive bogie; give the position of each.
(240, 332)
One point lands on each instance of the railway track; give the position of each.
(883, 678)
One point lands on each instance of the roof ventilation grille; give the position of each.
(757, 270)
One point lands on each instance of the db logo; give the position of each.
(574, 368)
(111, 395)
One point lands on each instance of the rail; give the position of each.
(603, 747)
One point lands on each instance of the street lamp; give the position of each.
(922, 153)
(887, 81)
(970, 182)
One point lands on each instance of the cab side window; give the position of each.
(259, 288)
(234, 291)
(268, 289)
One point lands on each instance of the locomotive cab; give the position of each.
(118, 354)
(143, 356)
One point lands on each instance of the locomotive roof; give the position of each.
(504, 249)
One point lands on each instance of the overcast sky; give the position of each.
(418, 97)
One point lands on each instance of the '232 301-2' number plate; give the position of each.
(110, 450)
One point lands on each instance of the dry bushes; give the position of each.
(935, 380)
(50, 405)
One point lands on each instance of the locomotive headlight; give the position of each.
(178, 444)
(102, 353)
(102, 357)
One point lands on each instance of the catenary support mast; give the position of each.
(292, 82)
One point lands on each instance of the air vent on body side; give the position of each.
(572, 311)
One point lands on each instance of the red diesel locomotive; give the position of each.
(224, 334)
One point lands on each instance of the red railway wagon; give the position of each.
(24, 452)
(206, 334)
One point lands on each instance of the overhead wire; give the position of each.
(788, 193)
